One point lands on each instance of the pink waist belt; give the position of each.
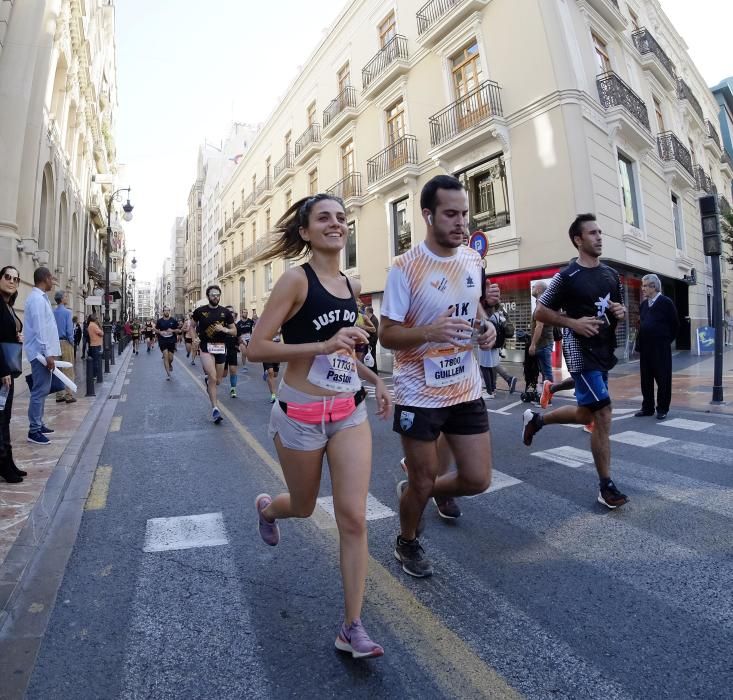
(330, 410)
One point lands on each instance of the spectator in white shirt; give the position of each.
(41, 339)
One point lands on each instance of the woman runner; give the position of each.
(320, 408)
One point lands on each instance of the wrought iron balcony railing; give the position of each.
(432, 11)
(473, 108)
(672, 149)
(712, 133)
(237, 260)
(645, 43)
(395, 48)
(685, 93)
(227, 266)
(614, 92)
(237, 213)
(726, 159)
(402, 152)
(95, 266)
(285, 163)
(725, 207)
(704, 182)
(311, 135)
(347, 187)
(263, 186)
(346, 99)
(248, 202)
(227, 223)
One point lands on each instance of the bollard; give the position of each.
(90, 376)
(100, 369)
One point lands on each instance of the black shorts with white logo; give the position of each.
(418, 423)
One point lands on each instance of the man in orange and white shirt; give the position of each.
(429, 313)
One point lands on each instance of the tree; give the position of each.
(726, 229)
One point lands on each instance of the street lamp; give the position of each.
(127, 216)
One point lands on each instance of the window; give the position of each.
(660, 116)
(347, 158)
(401, 233)
(254, 285)
(387, 30)
(677, 216)
(242, 195)
(488, 194)
(254, 230)
(288, 142)
(268, 221)
(241, 240)
(466, 67)
(311, 113)
(344, 78)
(628, 191)
(396, 121)
(350, 250)
(603, 62)
(268, 277)
(242, 293)
(268, 163)
(313, 181)
(254, 182)
(288, 199)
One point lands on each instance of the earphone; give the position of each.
(430, 219)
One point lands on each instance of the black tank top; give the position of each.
(322, 314)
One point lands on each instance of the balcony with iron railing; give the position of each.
(712, 142)
(390, 62)
(263, 189)
(704, 181)
(678, 166)
(238, 261)
(309, 142)
(654, 59)
(221, 271)
(393, 164)
(95, 266)
(248, 206)
(340, 111)
(685, 93)
(625, 110)
(227, 267)
(284, 168)
(724, 204)
(437, 18)
(480, 106)
(726, 162)
(348, 189)
(237, 214)
(219, 233)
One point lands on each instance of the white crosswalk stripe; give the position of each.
(375, 510)
(684, 424)
(632, 437)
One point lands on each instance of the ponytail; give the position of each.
(290, 244)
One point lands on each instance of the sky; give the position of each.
(187, 69)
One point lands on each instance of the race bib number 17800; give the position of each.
(447, 366)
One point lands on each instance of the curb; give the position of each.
(35, 564)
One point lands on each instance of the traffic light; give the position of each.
(711, 240)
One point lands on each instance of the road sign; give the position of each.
(479, 243)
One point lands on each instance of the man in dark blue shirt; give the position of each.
(167, 329)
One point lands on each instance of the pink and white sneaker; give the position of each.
(355, 640)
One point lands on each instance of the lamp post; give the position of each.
(127, 216)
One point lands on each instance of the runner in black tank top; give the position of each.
(321, 403)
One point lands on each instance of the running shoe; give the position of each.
(38, 438)
(245, 370)
(269, 531)
(216, 415)
(448, 507)
(531, 425)
(513, 385)
(233, 393)
(46, 430)
(193, 363)
(611, 497)
(546, 398)
(490, 396)
(401, 486)
(355, 641)
(168, 378)
(273, 398)
(413, 559)
(588, 428)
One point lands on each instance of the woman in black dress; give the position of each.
(11, 331)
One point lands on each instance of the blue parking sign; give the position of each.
(479, 243)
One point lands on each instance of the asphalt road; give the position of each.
(538, 591)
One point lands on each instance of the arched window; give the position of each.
(46, 219)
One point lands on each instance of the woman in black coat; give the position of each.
(11, 331)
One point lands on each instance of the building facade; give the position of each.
(144, 302)
(177, 297)
(192, 251)
(606, 113)
(57, 120)
(724, 95)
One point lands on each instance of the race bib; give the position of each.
(335, 372)
(216, 348)
(247, 337)
(447, 366)
(167, 334)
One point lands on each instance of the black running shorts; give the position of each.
(468, 418)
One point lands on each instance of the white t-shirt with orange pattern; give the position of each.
(420, 286)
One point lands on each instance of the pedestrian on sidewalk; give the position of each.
(96, 334)
(658, 326)
(11, 331)
(78, 333)
(65, 326)
(542, 337)
(321, 409)
(41, 340)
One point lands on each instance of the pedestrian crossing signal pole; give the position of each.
(713, 247)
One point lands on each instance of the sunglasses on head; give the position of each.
(7, 276)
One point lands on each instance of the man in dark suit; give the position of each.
(657, 330)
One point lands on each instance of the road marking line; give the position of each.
(504, 410)
(684, 424)
(499, 481)
(632, 437)
(185, 532)
(123, 398)
(115, 425)
(127, 381)
(375, 510)
(567, 456)
(97, 498)
(442, 654)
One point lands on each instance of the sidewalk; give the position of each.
(27, 508)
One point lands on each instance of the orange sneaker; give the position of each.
(546, 397)
(589, 428)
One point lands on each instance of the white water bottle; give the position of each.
(4, 396)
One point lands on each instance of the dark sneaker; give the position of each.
(412, 556)
(216, 415)
(46, 430)
(611, 497)
(546, 396)
(355, 640)
(531, 425)
(39, 438)
(269, 531)
(401, 486)
(233, 393)
(448, 508)
(513, 385)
